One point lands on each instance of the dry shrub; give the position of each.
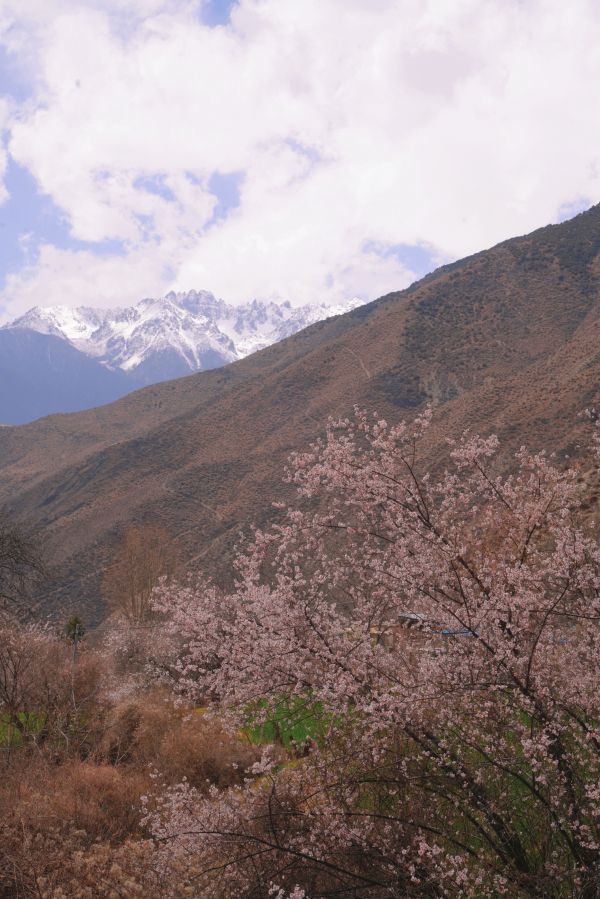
(129, 871)
(70, 822)
(101, 800)
(61, 863)
(39, 677)
(203, 752)
(88, 675)
(50, 813)
(180, 744)
(135, 728)
(102, 871)
(74, 830)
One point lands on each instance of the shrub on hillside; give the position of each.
(45, 695)
(149, 732)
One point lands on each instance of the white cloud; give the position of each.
(453, 123)
(74, 278)
(4, 117)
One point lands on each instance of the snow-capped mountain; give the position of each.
(175, 335)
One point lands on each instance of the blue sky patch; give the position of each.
(416, 257)
(572, 208)
(13, 81)
(146, 225)
(215, 12)
(30, 218)
(304, 150)
(155, 184)
(226, 189)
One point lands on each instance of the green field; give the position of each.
(290, 723)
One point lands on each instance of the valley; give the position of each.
(504, 341)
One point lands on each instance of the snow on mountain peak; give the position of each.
(167, 337)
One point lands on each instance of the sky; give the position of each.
(306, 151)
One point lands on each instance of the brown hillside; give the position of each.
(507, 340)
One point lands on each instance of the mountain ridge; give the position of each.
(162, 338)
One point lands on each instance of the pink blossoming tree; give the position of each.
(446, 632)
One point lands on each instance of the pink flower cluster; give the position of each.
(447, 627)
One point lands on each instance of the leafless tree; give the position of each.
(145, 555)
(22, 566)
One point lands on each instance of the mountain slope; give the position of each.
(505, 341)
(40, 374)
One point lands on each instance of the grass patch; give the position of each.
(11, 735)
(292, 722)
